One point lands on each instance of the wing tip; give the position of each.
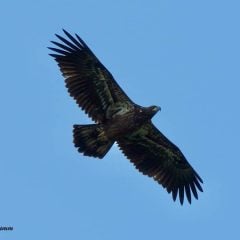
(185, 191)
(55, 56)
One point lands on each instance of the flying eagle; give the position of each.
(118, 119)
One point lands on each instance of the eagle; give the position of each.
(118, 119)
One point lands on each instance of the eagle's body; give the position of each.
(116, 127)
(118, 119)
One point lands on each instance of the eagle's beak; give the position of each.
(156, 109)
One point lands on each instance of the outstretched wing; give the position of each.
(154, 155)
(88, 81)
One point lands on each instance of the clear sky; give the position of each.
(181, 55)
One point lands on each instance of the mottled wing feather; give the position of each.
(88, 81)
(154, 155)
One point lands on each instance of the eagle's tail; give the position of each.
(91, 140)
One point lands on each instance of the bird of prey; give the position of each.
(118, 119)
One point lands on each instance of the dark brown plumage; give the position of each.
(118, 119)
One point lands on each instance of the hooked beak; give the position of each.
(157, 108)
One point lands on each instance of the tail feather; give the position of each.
(91, 140)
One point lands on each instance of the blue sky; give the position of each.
(181, 55)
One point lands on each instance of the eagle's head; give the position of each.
(154, 109)
(149, 112)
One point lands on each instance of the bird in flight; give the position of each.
(118, 119)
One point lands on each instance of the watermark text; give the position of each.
(6, 228)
